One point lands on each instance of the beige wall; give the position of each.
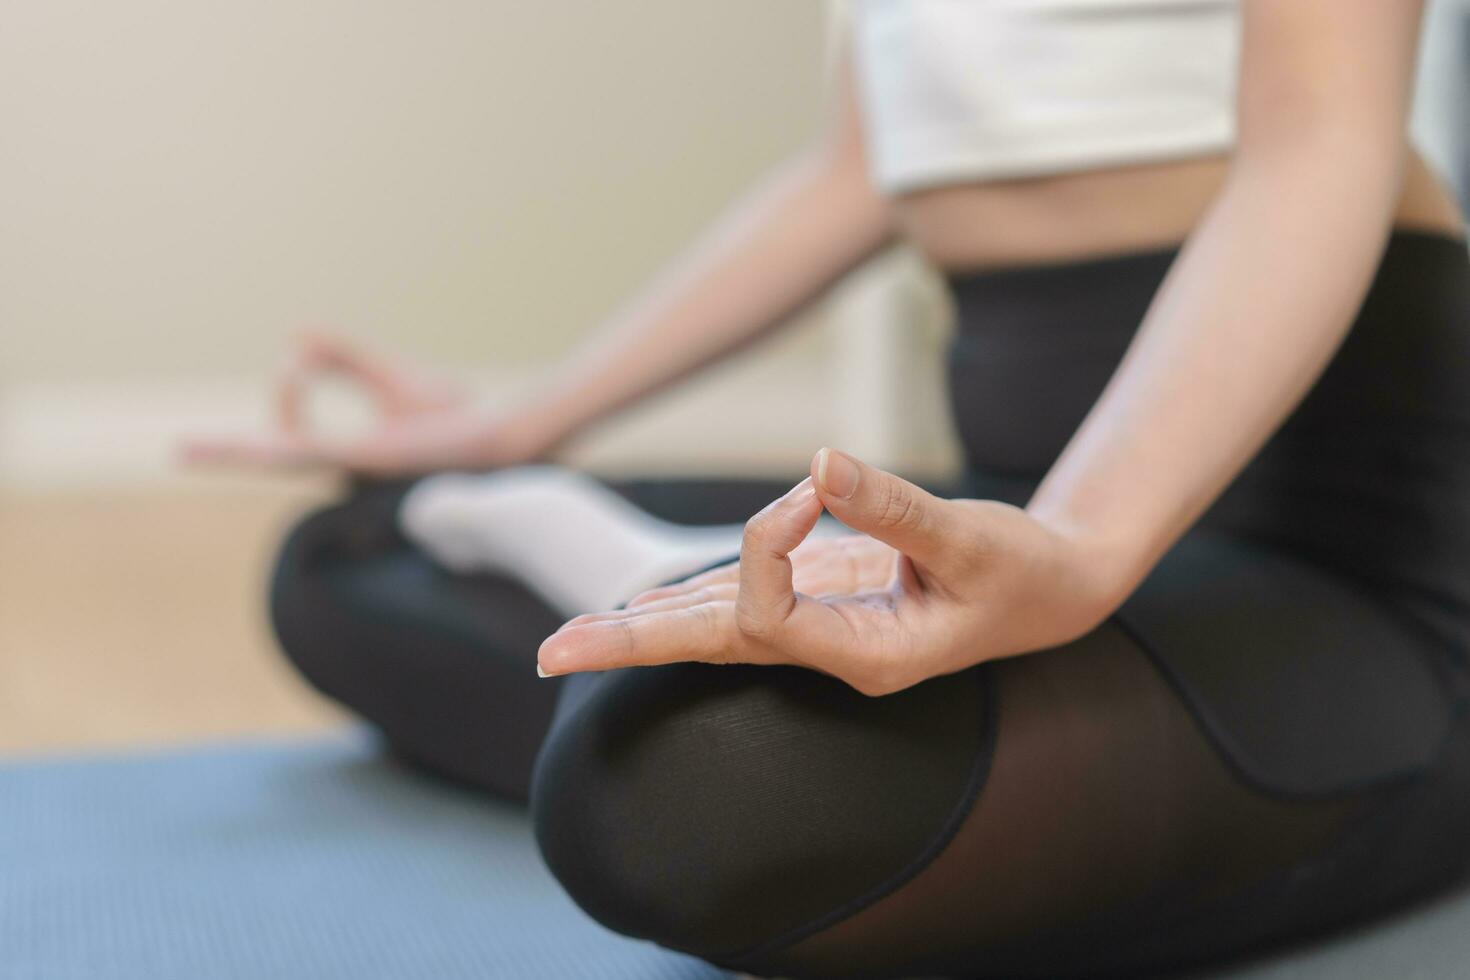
(183, 181)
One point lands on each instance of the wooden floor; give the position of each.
(137, 618)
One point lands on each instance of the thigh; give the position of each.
(1310, 681)
(1069, 812)
(1113, 837)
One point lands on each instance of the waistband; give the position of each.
(1071, 285)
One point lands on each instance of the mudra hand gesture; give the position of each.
(422, 422)
(929, 586)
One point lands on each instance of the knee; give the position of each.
(300, 601)
(720, 810)
(635, 809)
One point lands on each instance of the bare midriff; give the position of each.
(972, 226)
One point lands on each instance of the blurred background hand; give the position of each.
(422, 422)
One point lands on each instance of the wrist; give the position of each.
(525, 434)
(1103, 567)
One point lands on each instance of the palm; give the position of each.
(846, 565)
(875, 624)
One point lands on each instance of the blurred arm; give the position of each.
(1263, 292)
(783, 245)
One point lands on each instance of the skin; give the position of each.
(937, 585)
(1302, 217)
(1300, 211)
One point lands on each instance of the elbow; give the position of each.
(838, 164)
(1320, 146)
(1347, 168)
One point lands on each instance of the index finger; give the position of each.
(319, 354)
(703, 633)
(291, 384)
(766, 593)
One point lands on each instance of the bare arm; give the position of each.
(809, 223)
(1265, 289)
(1248, 317)
(800, 230)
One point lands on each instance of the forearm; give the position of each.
(772, 253)
(1258, 301)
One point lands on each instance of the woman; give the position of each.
(1182, 672)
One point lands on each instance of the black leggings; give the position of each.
(443, 664)
(1265, 741)
(1062, 813)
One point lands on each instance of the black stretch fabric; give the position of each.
(1267, 740)
(443, 664)
(1367, 479)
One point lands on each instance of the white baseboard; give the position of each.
(765, 417)
(74, 434)
(873, 386)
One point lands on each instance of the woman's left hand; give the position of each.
(975, 580)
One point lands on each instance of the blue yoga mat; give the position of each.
(318, 860)
(322, 860)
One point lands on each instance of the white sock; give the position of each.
(573, 541)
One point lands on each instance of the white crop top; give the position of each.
(957, 90)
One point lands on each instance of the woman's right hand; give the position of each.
(423, 423)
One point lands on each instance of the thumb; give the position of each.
(886, 507)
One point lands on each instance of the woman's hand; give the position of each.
(819, 566)
(422, 423)
(972, 580)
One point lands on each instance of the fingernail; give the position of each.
(837, 474)
(540, 656)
